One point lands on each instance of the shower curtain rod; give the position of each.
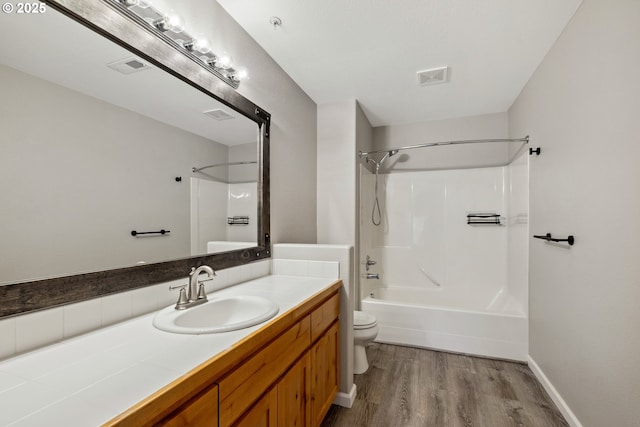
(194, 169)
(392, 151)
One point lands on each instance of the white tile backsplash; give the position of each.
(144, 300)
(30, 331)
(297, 267)
(82, 317)
(37, 329)
(116, 308)
(331, 270)
(315, 268)
(7, 337)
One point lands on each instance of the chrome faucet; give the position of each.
(195, 295)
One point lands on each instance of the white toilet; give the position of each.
(365, 330)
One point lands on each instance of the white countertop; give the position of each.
(88, 380)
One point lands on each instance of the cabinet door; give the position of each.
(202, 410)
(263, 413)
(294, 395)
(324, 373)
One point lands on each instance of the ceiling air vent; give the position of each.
(129, 65)
(433, 76)
(218, 114)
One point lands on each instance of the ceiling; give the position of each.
(370, 50)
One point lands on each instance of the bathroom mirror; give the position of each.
(123, 163)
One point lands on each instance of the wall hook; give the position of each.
(537, 151)
(549, 238)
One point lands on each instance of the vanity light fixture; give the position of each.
(169, 27)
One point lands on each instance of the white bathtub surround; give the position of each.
(427, 318)
(89, 379)
(445, 284)
(208, 216)
(308, 255)
(30, 331)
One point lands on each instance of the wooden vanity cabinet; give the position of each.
(306, 390)
(294, 395)
(285, 374)
(202, 410)
(325, 373)
(264, 413)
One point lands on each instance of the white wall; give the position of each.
(582, 107)
(293, 125)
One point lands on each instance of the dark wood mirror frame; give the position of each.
(103, 18)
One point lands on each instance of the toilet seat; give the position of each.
(362, 320)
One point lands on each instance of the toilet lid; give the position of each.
(363, 320)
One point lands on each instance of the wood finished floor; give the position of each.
(410, 387)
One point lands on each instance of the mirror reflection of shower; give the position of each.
(376, 214)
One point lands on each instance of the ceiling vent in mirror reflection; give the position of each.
(218, 114)
(129, 65)
(433, 76)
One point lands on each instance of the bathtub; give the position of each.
(437, 319)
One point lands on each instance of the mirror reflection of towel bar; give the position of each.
(135, 233)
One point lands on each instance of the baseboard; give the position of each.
(346, 399)
(553, 393)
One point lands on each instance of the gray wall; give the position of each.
(582, 106)
(337, 173)
(293, 126)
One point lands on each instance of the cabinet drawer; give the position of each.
(202, 410)
(323, 316)
(246, 384)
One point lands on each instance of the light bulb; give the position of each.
(240, 75)
(224, 61)
(201, 45)
(170, 22)
(174, 23)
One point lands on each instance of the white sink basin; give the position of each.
(217, 315)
